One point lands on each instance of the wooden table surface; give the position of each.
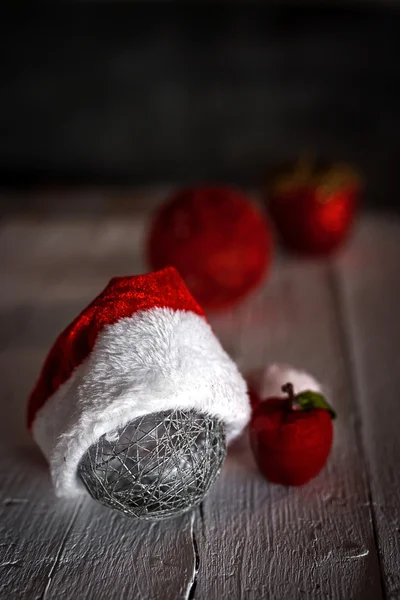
(337, 537)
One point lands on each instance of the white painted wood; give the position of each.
(57, 260)
(369, 289)
(250, 539)
(52, 549)
(259, 540)
(107, 556)
(33, 526)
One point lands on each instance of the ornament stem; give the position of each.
(289, 390)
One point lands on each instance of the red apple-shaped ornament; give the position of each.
(291, 437)
(313, 205)
(218, 240)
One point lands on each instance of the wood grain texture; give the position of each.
(51, 549)
(369, 289)
(33, 526)
(61, 260)
(108, 556)
(249, 539)
(264, 541)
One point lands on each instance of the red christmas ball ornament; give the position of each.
(217, 239)
(313, 206)
(291, 437)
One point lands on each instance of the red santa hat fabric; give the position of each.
(142, 346)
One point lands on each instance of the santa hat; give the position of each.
(142, 346)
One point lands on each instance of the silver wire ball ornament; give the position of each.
(158, 466)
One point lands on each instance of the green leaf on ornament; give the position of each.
(308, 400)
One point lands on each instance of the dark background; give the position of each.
(147, 93)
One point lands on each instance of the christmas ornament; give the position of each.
(291, 431)
(313, 206)
(136, 399)
(158, 466)
(217, 239)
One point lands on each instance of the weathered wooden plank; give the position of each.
(254, 539)
(108, 556)
(52, 548)
(258, 540)
(33, 526)
(58, 549)
(56, 260)
(369, 290)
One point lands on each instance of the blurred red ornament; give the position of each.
(313, 206)
(291, 437)
(217, 239)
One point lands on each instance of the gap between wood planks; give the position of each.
(193, 583)
(332, 335)
(348, 352)
(199, 513)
